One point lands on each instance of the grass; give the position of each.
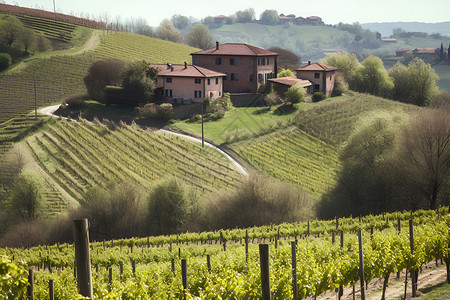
(443, 70)
(243, 122)
(441, 291)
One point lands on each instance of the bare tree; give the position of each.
(425, 154)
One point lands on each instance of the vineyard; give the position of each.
(226, 264)
(55, 30)
(42, 79)
(333, 121)
(294, 156)
(38, 13)
(82, 155)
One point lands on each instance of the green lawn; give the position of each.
(242, 122)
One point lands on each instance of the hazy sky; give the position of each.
(331, 11)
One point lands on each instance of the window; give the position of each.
(234, 61)
(198, 80)
(169, 80)
(217, 80)
(262, 61)
(198, 94)
(267, 61)
(316, 87)
(251, 77)
(260, 77)
(209, 81)
(168, 93)
(195, 61)
(252, 62)
(234, 76)
(211, 94)
(316, 75)
(218, 61)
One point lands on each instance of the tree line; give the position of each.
(17, 41)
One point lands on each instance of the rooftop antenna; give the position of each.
(54, 7)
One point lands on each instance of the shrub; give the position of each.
(217, 108)
(75, 102)
(5, 61)
(103, 73)
(163, 112)
(340, 85)
(295, 94)
(318, 96)
(14, 280)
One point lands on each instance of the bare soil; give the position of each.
(429, 277)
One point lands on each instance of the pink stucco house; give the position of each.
(187, 83)
(245, 66)
(320, 75)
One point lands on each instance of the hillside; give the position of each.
(17, 92)
(313, 42)
(385, 28)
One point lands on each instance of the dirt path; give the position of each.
(430, 276)
(93, 43)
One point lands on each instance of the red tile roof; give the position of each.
(185, 71)
(220, 17)
(316, 67)
(236, 49)
(291, 81)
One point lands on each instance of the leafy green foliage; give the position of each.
(26, 197)
(102, 73)
(318, 96)
(217, 108)
(295, 94)
(270, 17)
(321, 265)
(373, 78)
(139, 81)
(285, 73)
(166, 31)
(415, 84)
(5, 61)
(152, 111)
(13, 279)
(199, 37)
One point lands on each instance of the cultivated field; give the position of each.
(79, 156)
(17, 88)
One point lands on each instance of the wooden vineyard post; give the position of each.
(265, 273)
(184, 273)
(133, 266)
(173, 265)
(121, 269)
(294, 271)
(307, 232)
(82, 257)
(361, 264)
(246, 246)
(342, 239)
(208, 263)
(30, 287)
(399, 228)
(51, 293)
(341, 288)
(332, 238)
(411, 245)
(337, 223)
(110, 276)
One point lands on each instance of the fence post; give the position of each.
(246, 246)
(110, 275)
(208, 262)
(294, 271)
(342, 239)
(184, 273)
(361, 264)
(51, 293)
(30, 288)
(82, 257)
(411, 245)
(265, 273)
(173, 265)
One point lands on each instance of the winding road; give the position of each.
(50, 110)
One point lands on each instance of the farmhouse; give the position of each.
(320, 75)
(424, 52)
(187, 84)
(245, 66)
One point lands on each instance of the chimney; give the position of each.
(185, 65)
(169, 66)
(217, 45)
(171, 69)
(309, 62)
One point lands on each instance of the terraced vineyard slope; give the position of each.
(294, 156)
(52, 79)
(81, 155)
